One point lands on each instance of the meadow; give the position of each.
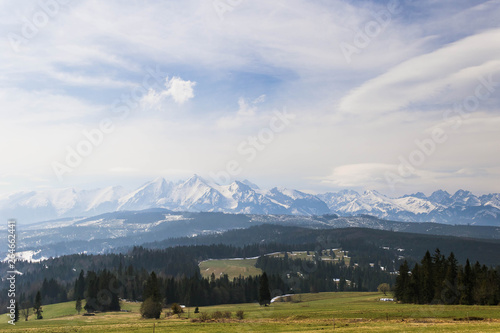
(232, 267)
(343, 312)
(246, 267)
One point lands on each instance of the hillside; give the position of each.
(367, 241)
(106, 232)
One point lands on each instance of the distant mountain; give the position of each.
(124, 229)
(461, 208)
(199, 195)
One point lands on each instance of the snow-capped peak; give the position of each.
(197, 194)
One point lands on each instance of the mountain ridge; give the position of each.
(196, 194)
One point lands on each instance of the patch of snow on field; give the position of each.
(27, 256)
(278, 297)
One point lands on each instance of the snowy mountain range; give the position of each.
(199, 195)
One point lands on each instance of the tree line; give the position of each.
(102, 290)
(441, 280)
(317, 275)
(178, 269)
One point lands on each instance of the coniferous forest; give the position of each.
(441, 280)
(102, 280)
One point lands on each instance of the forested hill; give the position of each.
(373, 255)
(360, 239)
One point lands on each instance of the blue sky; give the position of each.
(396, 96)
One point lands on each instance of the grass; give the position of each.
(339, 255)
(351, 312)
(233, 268)
(246, 267)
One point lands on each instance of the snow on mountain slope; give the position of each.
(492, 200)
(197, 194)
(415, 205)
(297, 202)
(440, 197)
(150, 194)
(104, 200)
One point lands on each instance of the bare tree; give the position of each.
(26, 310)
(384, 288)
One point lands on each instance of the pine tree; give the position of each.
(151, 307)
(264, 293)
(414, 293)
(427, 279)
(92, 290)
(402, 283)
(151, 288)
(16, 313)
(37, 306)
(450, 293)
(439, 268)
(467, 285)
(78, 305)
(80, 286)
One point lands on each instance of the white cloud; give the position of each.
(180, 90)
(367, 175)
(176, 88)
(246, 114)
(93, 52)
(428, 80)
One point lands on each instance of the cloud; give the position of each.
(430, 55)
(180, 90)
(41, 107)
(367, 175)
(429, 80)
(246, 114)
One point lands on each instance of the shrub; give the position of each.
(204, 317)
(217, 315)
(384, 288)
(227, 315)
(176, 309)
(150, 308)
(240, 314)
(196, 310)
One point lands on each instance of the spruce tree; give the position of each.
(78, 305)
(450, 293)
(439, 268)
(402, 283)
(80, 286)
(264, 293)
(427, 279)
(414, 293)
(467, 285)
(151, 288)
(16, 313)
(92, 290)
(151, 307)
(37, 307)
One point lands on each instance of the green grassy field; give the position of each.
(233, 268)
(351, 312)
(246, 267)
(339, 255)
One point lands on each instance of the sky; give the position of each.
(394, 96)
